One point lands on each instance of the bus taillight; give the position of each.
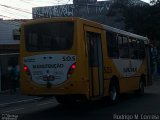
(71, 70)
(73, 66)
(26, 70)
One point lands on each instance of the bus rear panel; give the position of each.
(50, 63)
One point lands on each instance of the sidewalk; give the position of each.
(7, 98)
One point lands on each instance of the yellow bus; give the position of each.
(75, 59)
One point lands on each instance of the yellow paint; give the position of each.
(81, 81)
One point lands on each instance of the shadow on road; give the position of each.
(94, 110)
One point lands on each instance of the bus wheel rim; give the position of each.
(141, 87)
(113, 94)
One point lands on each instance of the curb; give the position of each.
(20, 102)
(9, 91)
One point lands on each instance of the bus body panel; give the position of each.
(50, 68)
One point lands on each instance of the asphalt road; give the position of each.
(129, 107)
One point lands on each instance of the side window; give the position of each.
(141, 50)
(92, 39)
(137, 49)
(120, 45)
(112, 45)
(123, 47)
(133, 48)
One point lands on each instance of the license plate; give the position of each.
(48, 78)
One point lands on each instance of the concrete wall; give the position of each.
(72, 10)
(6, 31)
(89, 9)
(84, 1)
(97, 12)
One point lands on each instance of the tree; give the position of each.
(153, 2)
(144, 20)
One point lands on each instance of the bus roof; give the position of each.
(116, 30)
(119, 31)
(109, 28)
(106, 27)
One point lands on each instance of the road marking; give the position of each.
(45, 103)
(17, 109)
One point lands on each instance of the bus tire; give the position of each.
(140, 90)
(114, 92)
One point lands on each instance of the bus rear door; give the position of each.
(95, 61)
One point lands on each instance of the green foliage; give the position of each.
(153, 2)
(144, 20)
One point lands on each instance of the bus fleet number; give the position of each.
(68, 58)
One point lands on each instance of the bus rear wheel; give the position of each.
(113, 92)
(140, 91)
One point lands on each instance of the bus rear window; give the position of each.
(49, 36)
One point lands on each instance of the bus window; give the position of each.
(123, 47)
(112, 45)
(49, 36)
(93, 38)
(141, 50)
(33, 41)
(133, 49)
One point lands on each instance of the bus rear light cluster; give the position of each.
(71, 70)
(26, 70)
(73, 66)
